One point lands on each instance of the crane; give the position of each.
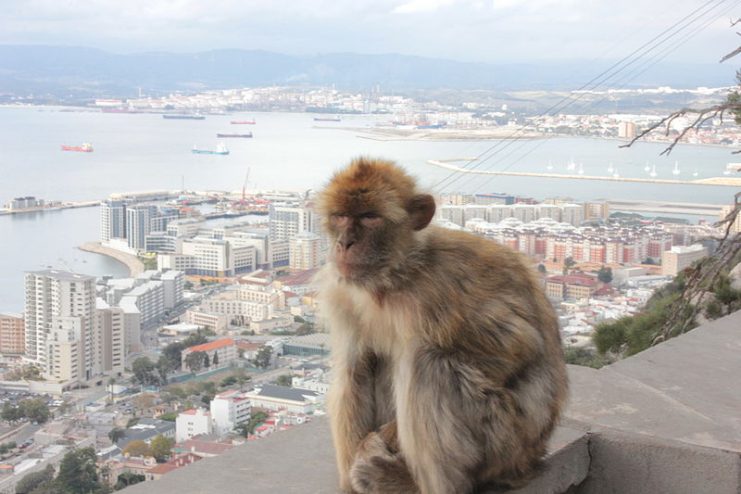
(244, 186)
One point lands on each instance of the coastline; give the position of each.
(134, 265)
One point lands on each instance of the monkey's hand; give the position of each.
(379, 468)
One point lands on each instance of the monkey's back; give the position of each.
(485, 305)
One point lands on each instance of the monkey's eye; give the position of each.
(340, 220)
(370, 219)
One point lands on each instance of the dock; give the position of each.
(695, 209)
(713, 181)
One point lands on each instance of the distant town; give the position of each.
(485, 115)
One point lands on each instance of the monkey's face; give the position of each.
(362, 242)
(371, 211)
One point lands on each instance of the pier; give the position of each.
(54, 206)
(694, 209)
(713, 181)
(136, 267)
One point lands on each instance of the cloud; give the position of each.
(473, 30)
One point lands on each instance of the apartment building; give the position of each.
(678, 258)
(228, 410)
(60, 324)
(12, 334)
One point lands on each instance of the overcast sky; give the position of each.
(466, 30)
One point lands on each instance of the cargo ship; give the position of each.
(243, 122)
(243, 136)
(85, 147)
(220, 149)
(184, 116)
(327, 119)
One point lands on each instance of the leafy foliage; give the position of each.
(585, 357)
(30, 482)
(605, 274)
(284, 380)
(34, 409)
(145, 372)
(194, 361)
(248, 427)
(116, 434)
(263, 357)
(128, 478)
(137, 448)
(162, 448)
(78, 473)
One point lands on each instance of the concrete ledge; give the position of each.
(301, 461)
(639, 464)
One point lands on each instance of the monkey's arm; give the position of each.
(351, 407)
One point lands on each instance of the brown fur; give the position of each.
(449, 373)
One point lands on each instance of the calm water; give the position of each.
(289, 151)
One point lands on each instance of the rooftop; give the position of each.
(211, 345)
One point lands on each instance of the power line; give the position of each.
(596, 81)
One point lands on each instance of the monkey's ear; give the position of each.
(421, 209)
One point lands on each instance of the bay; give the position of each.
(135, 152)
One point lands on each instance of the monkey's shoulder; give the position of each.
(476, 256)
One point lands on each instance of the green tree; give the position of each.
(284, 380)
(248, 427)
(227, 381)
(10, 412)
(162, 448)
(137, 448)
(128, 478)
(262, 359)
(78, 473)
(206, 360)
(215, 363)
(145, 372)
(35, 409)
(116, 434)
(568, 263)
(194, 361)
(605, 274)
(32, 481)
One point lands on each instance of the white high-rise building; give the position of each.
(228, 410)
(287, 220)
(305, 251)
(112, 220)
(109, 339)
(139, 224)
(59, 324)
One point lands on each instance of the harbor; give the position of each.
(711, 181)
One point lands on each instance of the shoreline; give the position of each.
(132, 263)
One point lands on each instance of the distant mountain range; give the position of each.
(74, 72)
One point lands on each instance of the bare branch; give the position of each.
(733, 23)
(732, 54)
(703, 115)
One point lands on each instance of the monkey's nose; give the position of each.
(346, 244)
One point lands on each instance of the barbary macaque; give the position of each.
(448, 368)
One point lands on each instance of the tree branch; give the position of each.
(703, 115)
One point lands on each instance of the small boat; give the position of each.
(647, 168)
(184, 116)
(85, 147)
(550, 166)
(616, 174)
(653, 172)
(571, 165)
(610, 168)
(327, 119)
(581, 169)
(221, 149)
(243, 122)
(676, 171)
(695, 173)
(231, 135)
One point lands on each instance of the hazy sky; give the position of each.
(469, 30)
